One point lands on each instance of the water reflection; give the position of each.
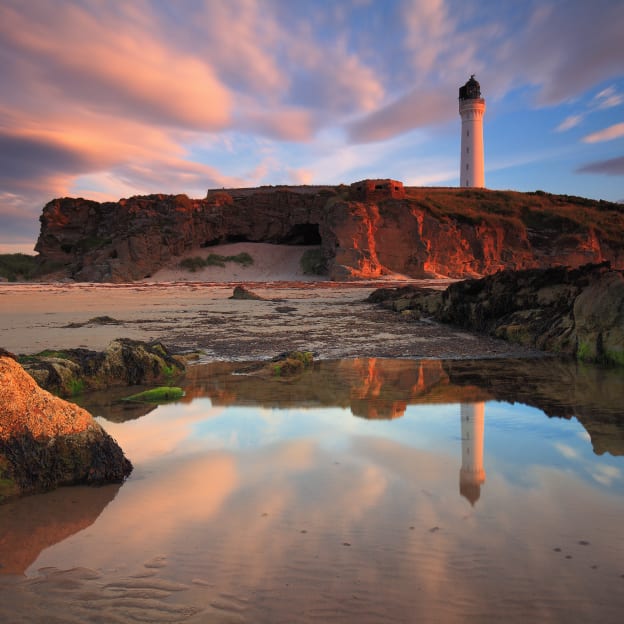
(471, 474)
(31, 524)
(263, 499)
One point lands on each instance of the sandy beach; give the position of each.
(193, 312)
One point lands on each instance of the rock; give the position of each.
(578, 312)
(125, 362)
(419, 232)
(241, 292)
(599, 319)
(285, 365)
(46, 442)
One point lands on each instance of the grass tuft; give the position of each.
(197, 262)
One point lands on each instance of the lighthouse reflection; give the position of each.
(471, 473)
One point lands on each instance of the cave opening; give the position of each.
(299, 234)
(302, 234)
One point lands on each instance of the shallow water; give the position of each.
(363, 491)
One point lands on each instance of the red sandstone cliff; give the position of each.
(452, 232)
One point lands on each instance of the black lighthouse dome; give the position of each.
(471, 90)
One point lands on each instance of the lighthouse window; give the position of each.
(467, 150)
(467, 132)
(467, 166)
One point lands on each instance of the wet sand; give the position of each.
(328, 318)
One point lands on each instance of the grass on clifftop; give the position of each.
(539, 211)
(197, 262)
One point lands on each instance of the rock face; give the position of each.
(125, 362)
(46, 442)
(578, 312)
(417, 232)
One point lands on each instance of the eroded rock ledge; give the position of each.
(46, 442)
(423, 232)
(578, 312)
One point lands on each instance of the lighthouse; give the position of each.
(472, 474)
(471, 110)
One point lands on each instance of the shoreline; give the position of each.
(330, 319)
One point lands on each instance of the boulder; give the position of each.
(124, 362)
(46, 442)
(242, 292)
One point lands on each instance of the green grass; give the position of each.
(197, 262)
(17, 266)
(162, 394)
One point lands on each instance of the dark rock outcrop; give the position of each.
(578, 312)
(242, 292)
(46, 442)
(124, 362)
(420, 232)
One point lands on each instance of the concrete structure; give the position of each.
(471, 110)
(471, 474)
(371, 190)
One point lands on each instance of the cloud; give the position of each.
(569, 47)
(609, 98)
(569, 122)
(413, 110)
(32, 156)
(289, 125)
(61, 48)
(612, 166)
(608, 134)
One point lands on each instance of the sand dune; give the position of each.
(270, 263)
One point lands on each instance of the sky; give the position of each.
(106, 99)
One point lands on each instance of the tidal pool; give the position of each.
(362, 491)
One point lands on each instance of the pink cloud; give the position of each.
(128, 71)
(569, 122)
(608, 134)
(290, 125)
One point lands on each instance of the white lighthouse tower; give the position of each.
(471, 109)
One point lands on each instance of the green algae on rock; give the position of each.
(123, 362)
(163, 394)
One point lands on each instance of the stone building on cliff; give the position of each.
(371, 190)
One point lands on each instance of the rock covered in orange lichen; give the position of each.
(46, 441)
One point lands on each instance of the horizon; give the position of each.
(104, 101)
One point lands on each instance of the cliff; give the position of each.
(423, 232)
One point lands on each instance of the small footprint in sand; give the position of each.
(434, 529)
